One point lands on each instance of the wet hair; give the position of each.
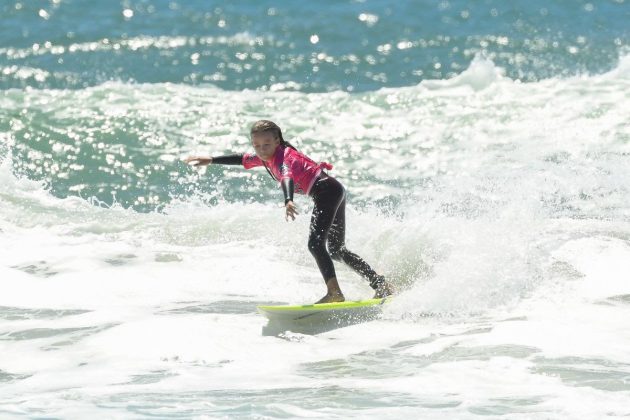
(266, 126)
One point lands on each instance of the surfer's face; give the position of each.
(265, 144)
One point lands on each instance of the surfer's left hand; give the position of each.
(291, 210)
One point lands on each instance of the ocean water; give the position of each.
(485, 150)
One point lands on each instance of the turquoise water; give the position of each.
(484, 146)
(310, 47)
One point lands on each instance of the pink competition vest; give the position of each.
(289, 163)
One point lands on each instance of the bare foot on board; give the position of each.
(332, 297)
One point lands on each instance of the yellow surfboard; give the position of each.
(323, 311)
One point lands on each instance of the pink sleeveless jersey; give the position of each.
(289, 163)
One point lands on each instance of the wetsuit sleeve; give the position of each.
(287, 188)
(228, 160)
(286, 179)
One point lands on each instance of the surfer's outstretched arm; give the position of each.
(218, 160)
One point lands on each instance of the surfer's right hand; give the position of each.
(291, 210)
(198, 160)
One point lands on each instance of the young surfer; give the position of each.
(297, 173)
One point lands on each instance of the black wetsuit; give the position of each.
(328, 225)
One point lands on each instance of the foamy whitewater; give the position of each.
(485, 151)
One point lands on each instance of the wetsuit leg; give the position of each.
(339, 252)
(328, 226)
(327, 196)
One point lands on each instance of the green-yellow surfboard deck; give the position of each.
(297, 312)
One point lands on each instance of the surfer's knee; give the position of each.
(316, 244)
